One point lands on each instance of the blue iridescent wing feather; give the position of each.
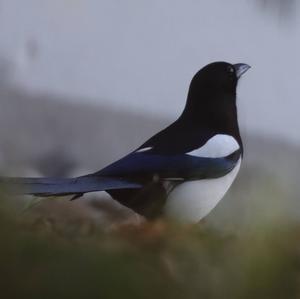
(144, 165)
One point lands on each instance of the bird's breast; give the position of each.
(193, 200)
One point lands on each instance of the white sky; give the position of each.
(140, 55)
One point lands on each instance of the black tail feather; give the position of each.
(65, 186)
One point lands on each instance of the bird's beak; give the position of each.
(241, 68)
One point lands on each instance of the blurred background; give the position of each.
(83, 82)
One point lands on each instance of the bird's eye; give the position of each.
(231, 70)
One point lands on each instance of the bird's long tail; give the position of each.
(65, 186)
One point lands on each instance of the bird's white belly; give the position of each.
(193, 200)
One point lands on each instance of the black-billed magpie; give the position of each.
(181, 172)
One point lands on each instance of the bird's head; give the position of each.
(213, 88)
(211, 101)
(218, 77)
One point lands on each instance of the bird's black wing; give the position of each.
(139, 166)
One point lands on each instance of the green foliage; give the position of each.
(41, 259)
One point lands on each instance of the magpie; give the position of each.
(183, 171)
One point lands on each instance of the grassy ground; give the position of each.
(68, 258)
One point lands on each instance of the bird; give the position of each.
(180, 173)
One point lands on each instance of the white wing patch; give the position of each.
(145, 149)
(218, 146)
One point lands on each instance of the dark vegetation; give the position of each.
(66, 256)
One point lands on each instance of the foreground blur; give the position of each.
(73, 258)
